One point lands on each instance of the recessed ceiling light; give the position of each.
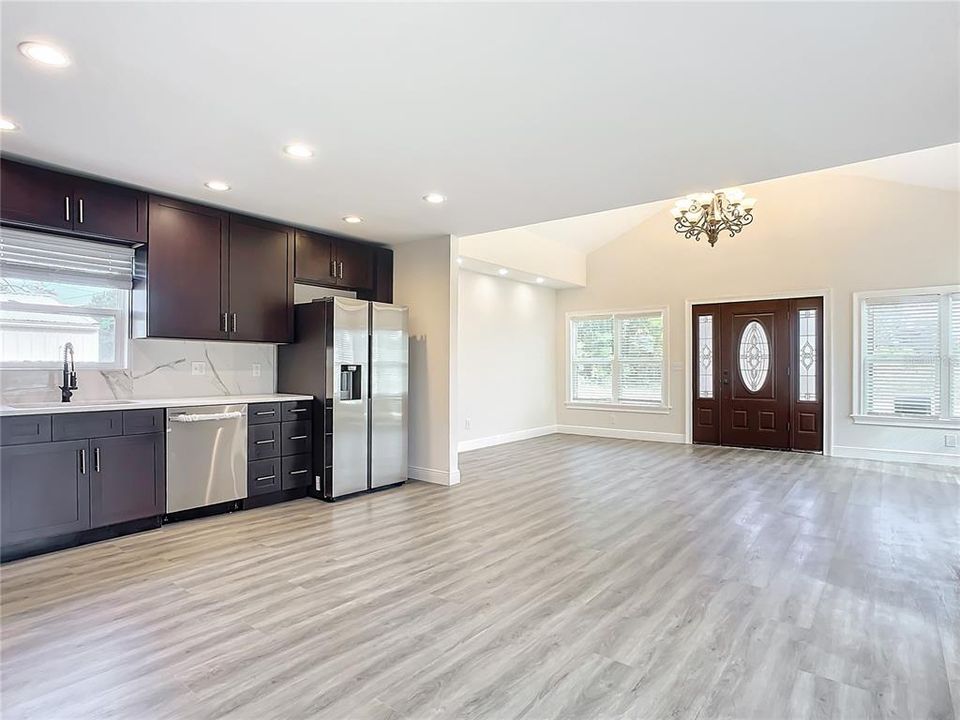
(539, 281)
(353, 219)
(218, 185)
(44, 53)
(503, 271)
(298, 150)
(8, 125)
(435, 198)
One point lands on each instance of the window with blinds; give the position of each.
(55, 290)
(910, 355)
(618, 358)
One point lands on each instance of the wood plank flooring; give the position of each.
(566, 577)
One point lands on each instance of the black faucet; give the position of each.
(69, 374)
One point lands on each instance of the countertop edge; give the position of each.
(150, 403)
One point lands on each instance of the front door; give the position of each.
(758, 374)
(754, 374)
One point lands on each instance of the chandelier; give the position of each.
(710, 214)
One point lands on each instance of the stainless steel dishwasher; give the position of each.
(206, 455)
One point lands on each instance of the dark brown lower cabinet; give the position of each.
(127, 478)
(44, 490)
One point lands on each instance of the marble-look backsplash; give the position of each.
(157, 369)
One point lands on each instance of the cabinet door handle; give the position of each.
(80, 213)
(83, 462)
(297, 410)
(341, 267)
(265, 412)
(96, 459)
(224, 322)
(266, 477)
(66, 207)
(264, 442)
(298, 437)
(233, 322)
(333, 266)
(297, 472)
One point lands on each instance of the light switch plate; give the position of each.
(950, 441)
(198, 367)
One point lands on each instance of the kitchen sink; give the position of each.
(72, 403)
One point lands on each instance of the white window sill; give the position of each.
(620, 407)
(901, 421)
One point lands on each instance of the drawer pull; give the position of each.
(297, 472)
(266, 477)
(264, 442)
(295, 410)
(265, 412)
(298, 437)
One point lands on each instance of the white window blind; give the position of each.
(37, 256)
(902, 355)
(955, 354)
(618, 359)
(641, 358)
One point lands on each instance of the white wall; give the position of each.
(814, 231)
(507, 367)
(425, 281)
(520, 249)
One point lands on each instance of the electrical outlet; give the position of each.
(950, 441)
(256, 369)
(466, 424)
(198, 367)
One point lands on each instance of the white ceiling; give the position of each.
(520, 113)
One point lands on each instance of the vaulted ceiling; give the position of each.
(519, 113)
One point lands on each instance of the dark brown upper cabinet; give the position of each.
(44, 199)
(180, 290)
(334, 262)
(260, 281)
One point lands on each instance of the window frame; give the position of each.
(121, 317)
(859, 415)
(617, 405)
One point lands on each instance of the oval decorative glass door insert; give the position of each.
(754, 356)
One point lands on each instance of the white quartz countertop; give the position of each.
(50, 408)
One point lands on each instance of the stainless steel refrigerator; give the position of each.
(352, 356)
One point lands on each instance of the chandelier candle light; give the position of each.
(713, 213)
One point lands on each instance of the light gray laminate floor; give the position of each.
(565, 577)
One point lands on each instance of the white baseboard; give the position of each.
(620, 433)
(907, 456)
(431, 475)
(491, 440)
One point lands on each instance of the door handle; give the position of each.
(297, 410)
(224, 322)
(83, 462)
(96, 459)
(66, 207)
(264, 442)
(341, 269)
(265, 412)
(80, 213)
(298, 437)
(233, 322)
(266, 477)
(297, 472)
(333, 266)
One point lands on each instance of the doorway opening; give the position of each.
(757, 378)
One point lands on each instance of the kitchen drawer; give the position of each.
(259, 413)
(263, 441)
(142, 422)
(296, 471)
(296, 437)
(24, 429)
(76, 426)
(263, 476)
(296, 410)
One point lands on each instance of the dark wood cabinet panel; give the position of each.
(127, 478)
(184, 293)
(260, 280)
(81, 425)
(296, 437)
(260, 413)
(314, 258)
(354, 265)
(263, 441)
(35, 196)
(296, 471)
(24, 429)
(110, 211)
(44, 490)
(296, 410)
(139, 422)
(263, 476)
